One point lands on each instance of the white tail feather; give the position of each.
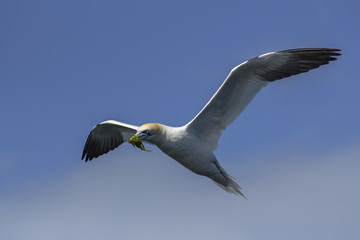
(231, 187)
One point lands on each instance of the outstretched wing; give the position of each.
(105, 137)
(245, 81)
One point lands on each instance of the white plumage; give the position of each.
(192, 145)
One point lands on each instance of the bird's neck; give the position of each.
(168, 135)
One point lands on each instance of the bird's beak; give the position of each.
(141, 136)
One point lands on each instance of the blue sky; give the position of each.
(68, 65)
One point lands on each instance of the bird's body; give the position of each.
(190, 152)
(192, 145)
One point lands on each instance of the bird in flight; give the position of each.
(192, 145)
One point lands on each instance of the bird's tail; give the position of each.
(231, 187)
(226, 182)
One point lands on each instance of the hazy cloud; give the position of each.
(148, 196)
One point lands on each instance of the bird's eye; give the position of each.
(146, 131)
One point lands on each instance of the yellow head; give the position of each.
(149, 131)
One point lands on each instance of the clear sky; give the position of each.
(68, 65)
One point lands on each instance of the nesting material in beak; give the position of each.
(136, 142)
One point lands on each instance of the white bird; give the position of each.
(192, 145)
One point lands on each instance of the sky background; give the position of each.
(68, 65)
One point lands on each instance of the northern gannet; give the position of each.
(192, 145)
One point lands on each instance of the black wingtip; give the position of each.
(329, 51)
(85, 153)
(103, 138)
(302, 60)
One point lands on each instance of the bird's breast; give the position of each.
(188, 151)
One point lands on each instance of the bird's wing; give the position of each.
(245, 81)
(106, 136)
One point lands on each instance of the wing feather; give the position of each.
(106, 136)
(245, 81)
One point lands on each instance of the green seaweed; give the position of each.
(137, 143)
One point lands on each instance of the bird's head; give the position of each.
(149, 132)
